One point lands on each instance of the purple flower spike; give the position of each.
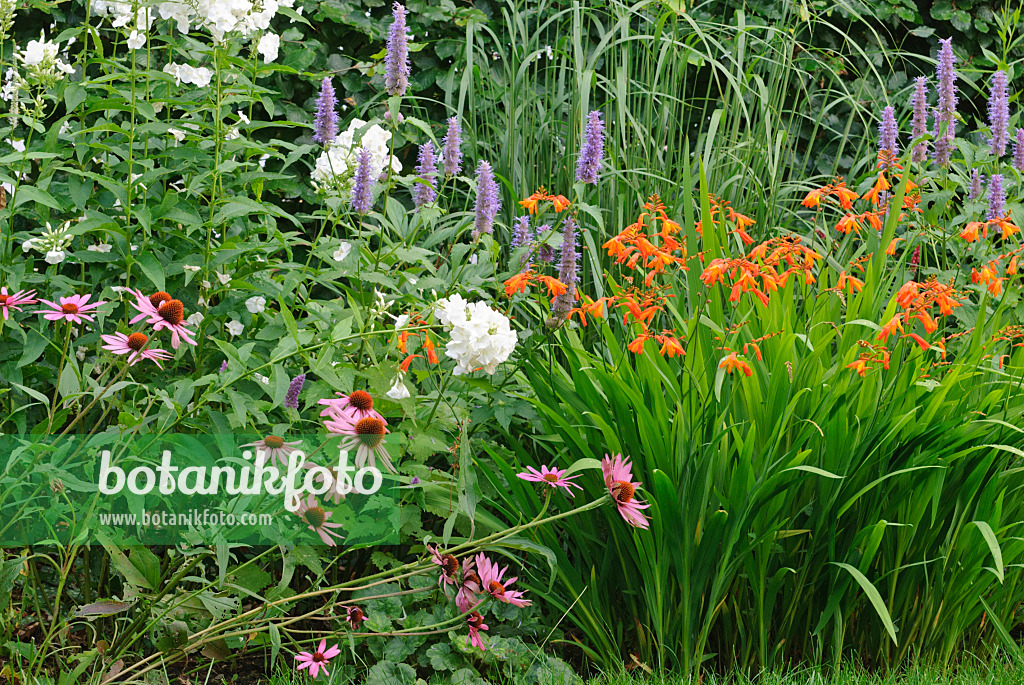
(920, 120)
(591, 156)
(291, 399)
(545, 253)
(568, 268)
(396, 62)
(325, 125)
(999, 114)
(996, 197)
(521, 232)
(488, 204)
(888, 132)
(945, 113)
(974, 192)
(362, 185)
(942, 146)
(1018, 151)
(425, 191)
(453, 148)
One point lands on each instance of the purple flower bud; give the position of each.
(888, 132)
(325, 125)
(1018, 151)
(453, 148)
(425, 191)
(224, 366)
(568, 268)
(414, 480)
(591, 156)
(291, 399)
(396, 62)
(362, 183)
(996, 197)
(521, 232)
(975, 190)
(488, 204)
(920, 120)
(999, 114)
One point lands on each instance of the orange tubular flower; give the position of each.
(637, 346)
(404, 366)
(921, 342)
(813, 199)
(560, 202)
(731, 363)
(906, 294)
(530, 203)
(1007, 227)
(855, 283)
(970, 233)
(860, 365)
(670, 346)
(845, 195)
(930, 325)
(555, 286)
(518, 283)
(895, 324)
(848, 223)
(881, 184)
(891, 250)
(429, 346)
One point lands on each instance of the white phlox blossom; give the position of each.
(480, 336)
(336, 165)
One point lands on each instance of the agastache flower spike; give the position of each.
(942, 145)
(396, 77)
(1018, 151)
(325, 125)
(974, 192)
(888, 133)
(362, 197)
(920, 119)
(545, 253)
(424, 191)
(567, 268)
(291, 399)
(999, 114)
(488, 204)
(521, 232)
(996, 196)
(945, 113)
(453, 148)
(591, 156)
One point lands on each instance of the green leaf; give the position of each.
(153, 269)
(874, 596)
(26, 193)
(993, 546)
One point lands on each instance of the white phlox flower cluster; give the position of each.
(186, 73)
(221, 17)
(336, 165)
(53, 243)
(480, 336)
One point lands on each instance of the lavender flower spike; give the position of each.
(996, 197)
(325, 125)
(946, 111)
(521, 232)
(453, 148)
(999, 114)
(488, 204)
(974, 192)
(396, 62)
(888, 133)
(425, 191)
(591, 156)
(568, 269)
(920, 119)
(291, 398)
(942, 145)
(1018, 151)
(362, 185)
(545, 253)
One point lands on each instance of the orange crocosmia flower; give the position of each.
(891, 250)
(859, 365)
(874, 220)
(895, 324)
(996, 287)
(429, 346)
(855, 283)
(518, 283)
(731, 363)
(1007, 227)
(970, 232)
(845, 195)
(646, 247)
(560, 202)
(930, 325)
(669, 227)
(742, 222)
(881, 184)
(555, 286)
(670, 347)
(848, 223)
(747, 240)
(921, 342)
(530, 203)
(906, 295)
(714, 272)
(403, 341)
(637, 346)
(757, 350)
(813, 198)
(1011, 268)
(404, 366)
(941, 344)
(615, 248)
(759, 252)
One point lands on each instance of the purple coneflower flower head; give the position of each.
(888, 132)
(920, 119)
(291, 398)
(545, 253)
(1018, 151)
(325, 125)
(996, 197)
(999, 114)
(520, 232)
(425, 192)
(362, 185)
(974, 192)
(396, 62)
(568, 268)
(591, 156)
(453, 148)
(488, 204)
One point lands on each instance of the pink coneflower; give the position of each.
(618, 477)
(318, 660)
(313, 514)
(338, 490)
(354, 616)
(147, 305)
(133, 345)
(553, 477)
(476, 623)
(15, 301)
(491, 582)
(273, 448)
(448, 563)
(359, 404)
(366, 437)
(466, 597)
(71, 309)
(171, 315)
